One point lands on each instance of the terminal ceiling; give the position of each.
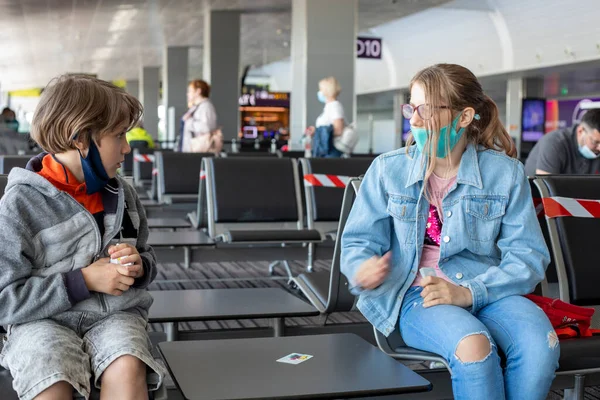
(114, 38)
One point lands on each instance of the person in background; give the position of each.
(573, 150)
(139, 134)
(200, 119)
(331, 121)
(9, 119)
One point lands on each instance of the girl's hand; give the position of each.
(373, 272)
(440, 291)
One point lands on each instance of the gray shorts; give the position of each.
(73, 347)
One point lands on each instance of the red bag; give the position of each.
(568, 320)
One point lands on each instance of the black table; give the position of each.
(185, 239)
(150, 203)
(180, 239)
(174, 306)
(168, 223)
(342, 366)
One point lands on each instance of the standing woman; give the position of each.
(331, 121)
(443, 242)
(199, 120)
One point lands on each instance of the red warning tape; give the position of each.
(143, 158)
(324, 180)
(568, 207)
(539, 206)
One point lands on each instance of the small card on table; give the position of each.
(295, 358)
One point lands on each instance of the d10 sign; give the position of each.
(368, 47)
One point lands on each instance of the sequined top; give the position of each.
(434, 227)
(438, 187)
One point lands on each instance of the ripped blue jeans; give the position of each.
(513, 324)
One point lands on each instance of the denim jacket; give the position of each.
(491, 243)
(322, 143)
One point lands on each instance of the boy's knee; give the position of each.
(125, 368)
(59, 390)
(473, 348)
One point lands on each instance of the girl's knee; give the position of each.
(474, 347)
(543, 352)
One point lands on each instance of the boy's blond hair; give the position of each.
(330, 87)
(80, 105)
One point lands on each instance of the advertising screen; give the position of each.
(533, 119)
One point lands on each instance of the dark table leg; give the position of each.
(186, 257)
(172, 331)
(278, 327)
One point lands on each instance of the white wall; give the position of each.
(378, 125)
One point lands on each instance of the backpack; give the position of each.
(347, 141)
(568, 320)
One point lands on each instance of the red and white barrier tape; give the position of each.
(154, 171)
(568, 207)
(539, 207)
(143, 158)
(202, 175)
(323, 180)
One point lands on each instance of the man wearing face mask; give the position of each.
(573, 150)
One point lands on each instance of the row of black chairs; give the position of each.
(9, 162)
(255, 201)
(146, 168)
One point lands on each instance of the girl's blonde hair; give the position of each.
(330, 87)
(83, 106)
(456, 87)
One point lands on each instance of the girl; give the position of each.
(443, 241)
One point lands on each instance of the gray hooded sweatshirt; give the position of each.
(47, 237)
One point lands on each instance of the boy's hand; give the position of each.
(104, 277)
(127, 254)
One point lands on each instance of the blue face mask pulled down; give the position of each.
(321, 97)
(587, 152)
(420, 135)
(93, 171)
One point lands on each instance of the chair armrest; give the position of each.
(273, 236)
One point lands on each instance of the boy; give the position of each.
(74, 263)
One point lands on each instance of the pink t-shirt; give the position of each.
(438, 187)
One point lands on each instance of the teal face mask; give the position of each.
(420, 135)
